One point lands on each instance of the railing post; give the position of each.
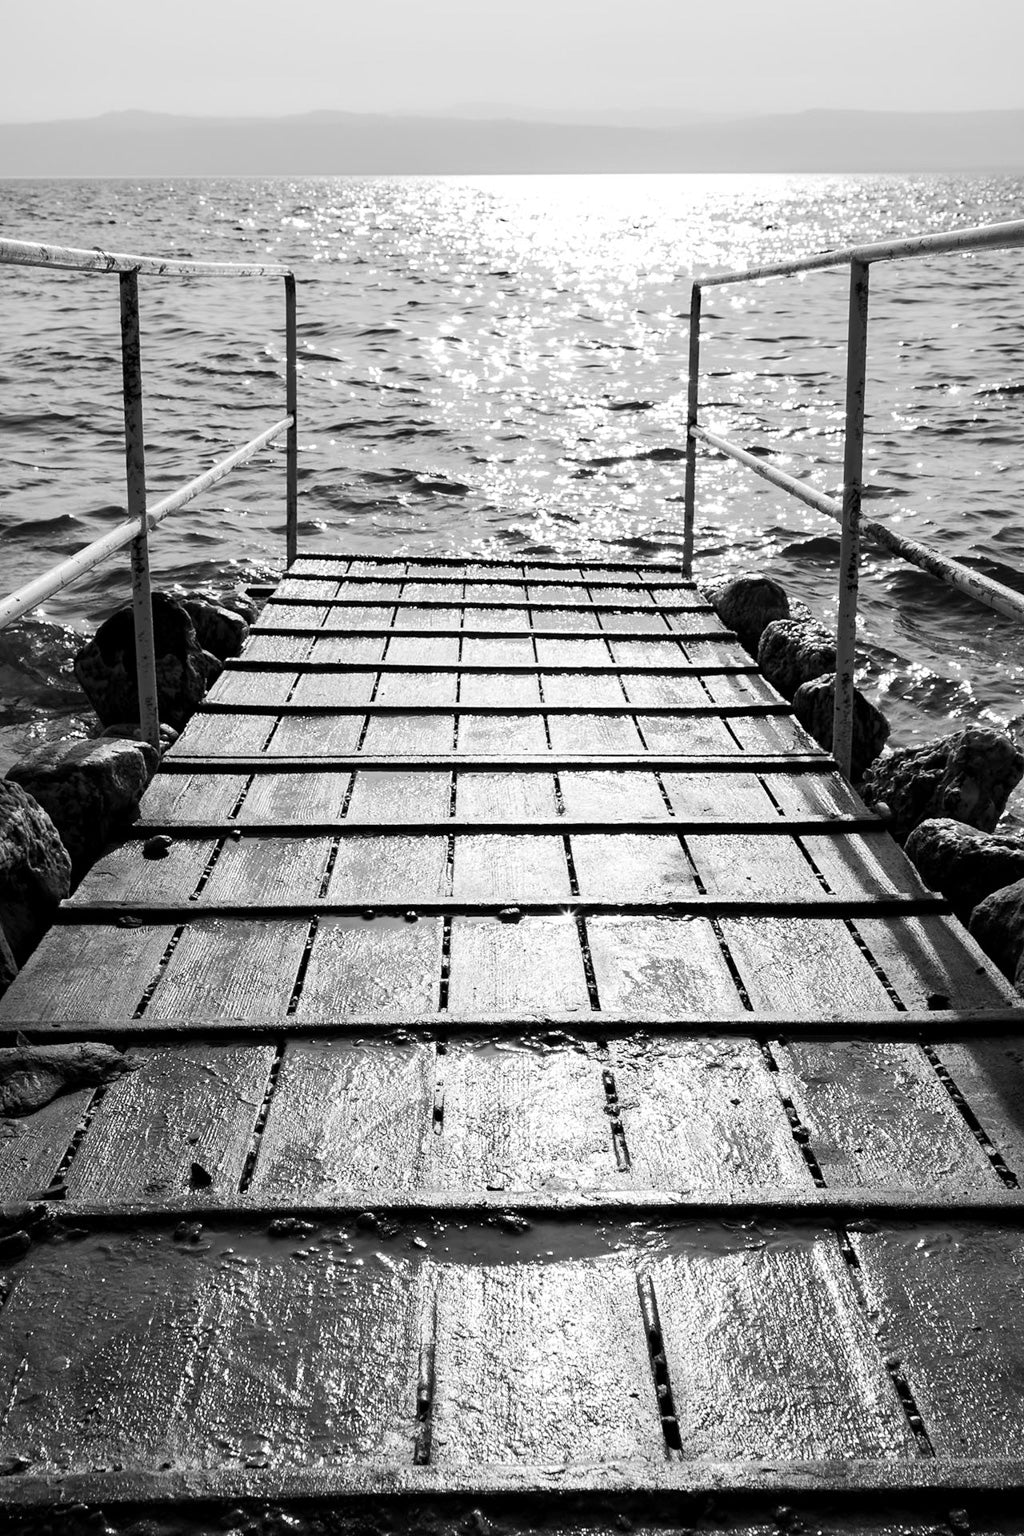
(135, 468)
(291, 408)
(849, 549)
(692, 402)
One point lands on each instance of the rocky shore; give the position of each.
(63, 803)
(942, 801)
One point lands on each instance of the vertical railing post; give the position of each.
(692, 403)
(135, 469)
(849, 550)
(291, 407)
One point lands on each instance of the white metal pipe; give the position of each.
(292, 407)
(135, 474)
(982, 588)
(849, 547)
(26, 253)
(60, 576)
(987, 237)
(692, 407)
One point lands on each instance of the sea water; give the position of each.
(497, 366)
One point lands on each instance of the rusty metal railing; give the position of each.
(141, 516)
(847, 512)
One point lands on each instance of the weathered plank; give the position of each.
(180, 1121)
(32, 1147)
(544, 1364)
(347, 1116)
(87, 973)
(398, 796)
(230, 967)
(523, 968)
(632, 866)
(389, 869)
(363, 967)
(521, 1115)
(674, 964)
(495, 867)
(947, 1301)
(294, 797)
(703, 1116)
(769, 1355)
(615, 796)
(511, 796)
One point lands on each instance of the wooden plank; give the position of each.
(192, 796)
(655, 652)
(280, 647)
(577, 621)
(803, 963)
(132, 1352)
(347, 1116)
(417, 688)
(674, 691)
(507, 735)
(704, 1116)
(497, 618)
(594, 733)
(293, 616)
(97, 974)
(621, 796)
(628, 866)
(529, 967)
(227, 967)
(355, 618)
(740, 864)
(345, 648)
(389, 869)
(717, 794)
(863, 862)
(361, 968)
(947, 1301)
(424, 618)
(481, 652)
(769, 1355)
(400, 796)
(390, 734)
(125, 874)
(673, 964)
(252, 687)
(990, 1075)
(498, 868)
(586, 691)
(507, 688)
(814, 794)
(517, 797)
(518, 1116)
(878, 1115)
(222, 736)
(544, 1364)
(663, 733)
(261, 870)
(771, 733)
(572, 653)
(32, 1147)
(294, 797)
(315, 735)
(329, 586)
(180, 1107)
(927, 958)
(653, 623)
(435, 650)
(436, 591)
(319, 688)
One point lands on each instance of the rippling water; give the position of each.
(498, 365)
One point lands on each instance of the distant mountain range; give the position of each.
(342, 143)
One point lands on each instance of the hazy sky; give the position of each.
(70, 58)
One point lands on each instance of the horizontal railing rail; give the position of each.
(142, 517)
(847, 512)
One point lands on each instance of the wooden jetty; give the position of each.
(550, 1082)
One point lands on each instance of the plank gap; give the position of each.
(659, 1367)
(893, 1366)
(249, 1167)
(148, 990)
(981, 1136)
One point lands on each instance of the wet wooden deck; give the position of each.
(648, 1124)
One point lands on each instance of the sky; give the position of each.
(71, 58)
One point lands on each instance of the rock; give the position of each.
(813, 704)
(998, 925)
(748, 604)
(8, 964)
(35, 870)
(125, 730)
(32, 1075)
(88, 790)
(967, 777)
(965, 865)
(105, 667)
(218, 629)
(793, 651)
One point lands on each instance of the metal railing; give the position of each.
(847, 512)
(141, 517)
